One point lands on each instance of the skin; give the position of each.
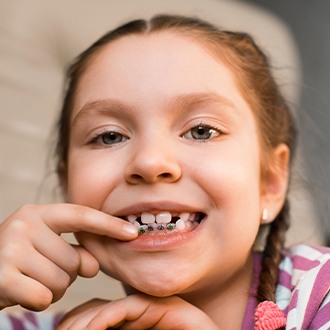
(151, 91)
(35, 272)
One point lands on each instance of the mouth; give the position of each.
(164, 222)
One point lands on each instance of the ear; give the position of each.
(274, 184)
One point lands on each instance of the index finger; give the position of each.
(65, 218)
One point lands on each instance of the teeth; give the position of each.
(184, 216)
(131, 218)
(137, 224)
(180, 225)
(162, 221)
(170, 226)
(143, 229)
(192, 217)
(163, 217)
(147, 218)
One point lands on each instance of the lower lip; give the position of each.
(164, 240)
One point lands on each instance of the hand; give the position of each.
(36, 264)
(138, 311)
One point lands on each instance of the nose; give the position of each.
(152, 163)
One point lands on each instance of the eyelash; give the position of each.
(97, 139)
(215, 130)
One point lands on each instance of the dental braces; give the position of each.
(144, 228)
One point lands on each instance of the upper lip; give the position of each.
(155, 207)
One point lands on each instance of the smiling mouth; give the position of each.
(165, 222)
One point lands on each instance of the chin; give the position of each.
(156, 290)
(158, 284)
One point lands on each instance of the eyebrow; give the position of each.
(179, 103)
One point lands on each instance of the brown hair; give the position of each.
(253, 75)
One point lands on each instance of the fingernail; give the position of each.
(130, 229)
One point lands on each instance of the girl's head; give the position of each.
(172, 116)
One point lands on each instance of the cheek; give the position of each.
(90, 179)
(232, 181)
(230, 173)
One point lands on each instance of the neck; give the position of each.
(225, 303)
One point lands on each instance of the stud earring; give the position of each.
(264, 216)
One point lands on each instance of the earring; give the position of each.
(264, 216)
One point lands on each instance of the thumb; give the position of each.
(89, 266)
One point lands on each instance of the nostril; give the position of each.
(136, 177)
(166, 175)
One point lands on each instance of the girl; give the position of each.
(173, 152)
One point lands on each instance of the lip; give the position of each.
(165, 241)
(156, 207)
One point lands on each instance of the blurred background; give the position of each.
(38, 39)
(309, 24)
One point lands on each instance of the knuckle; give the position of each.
(18, 226)
(10, 252)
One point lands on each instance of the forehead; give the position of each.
(149, 68)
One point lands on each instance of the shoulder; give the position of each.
(303, 289)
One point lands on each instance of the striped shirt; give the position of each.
(303, 289)
(302, 294)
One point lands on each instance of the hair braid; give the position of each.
(272, 255)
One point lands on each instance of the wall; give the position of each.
(310, 24)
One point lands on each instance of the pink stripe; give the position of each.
(16, 323)
(294, 300)
(57, 319)
(31, 318)
(320, 289)
(322, 317)
(285, 280)
(303, 263)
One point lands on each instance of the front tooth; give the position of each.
(180, 225)
(184, 216)
(137, 224)
(163, 217)
(131, 218)
(147, 218)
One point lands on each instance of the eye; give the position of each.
(202, 132)
(109, 138)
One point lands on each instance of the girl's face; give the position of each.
(159, 126)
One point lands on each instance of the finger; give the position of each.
(127, 309)
(27, 292)
(89, 265)
(24, 259)
(63, 218)
(44, 271)
(79, 317)
(82, 321)
(59, 251)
